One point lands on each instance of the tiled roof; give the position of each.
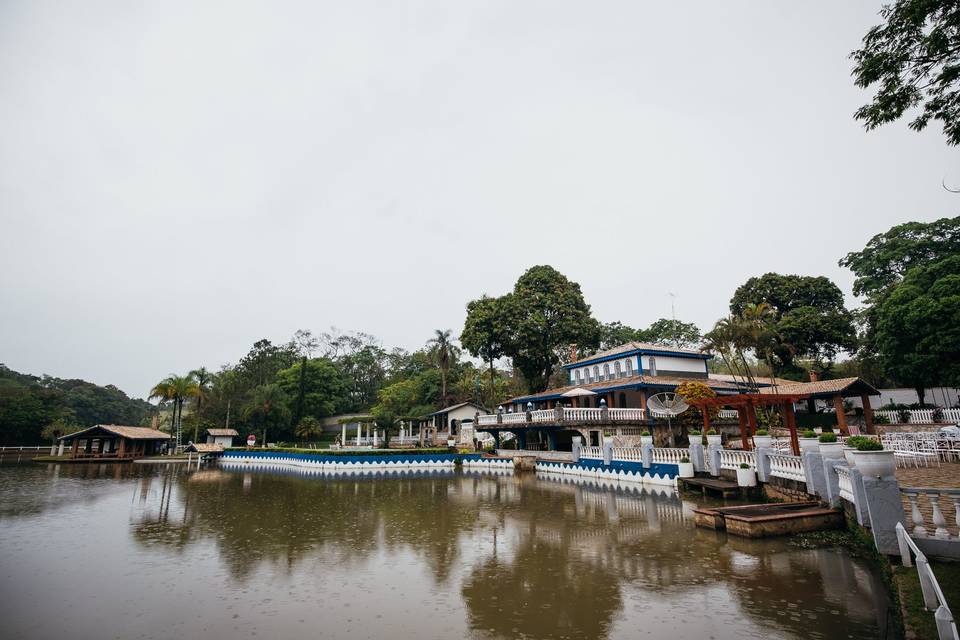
(726, 377)
(636, 346)
(132, 433)
(205, 448)
(828, 387)
(222, 432)
(716, 385)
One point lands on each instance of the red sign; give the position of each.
(251, 440)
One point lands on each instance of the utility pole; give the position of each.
(673, 316)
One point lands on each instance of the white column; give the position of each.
(374, 438)
(343, 438)
(359, 427)
(60, 450)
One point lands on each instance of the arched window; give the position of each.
(653, 366)
(606, 372)
(618, 369)
(579, 376)
(596, 373)
(629, 368)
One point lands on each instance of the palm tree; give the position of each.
(268, 400)
(202, 379)
(175, 389)
(308, 428)
(444, 353)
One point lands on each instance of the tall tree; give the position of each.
(914, 58)
(807, 317)
(201, 392)
(667, 331)
(888, 256)
(547, 315)
(317, 387)
(175, 389)
(268, 402)
(444, 353)
(486, 333)
(614, 334)
(306, 344)
(918, 326)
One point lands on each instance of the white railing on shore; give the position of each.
(787, 466)
(488, 419)
(513, 418)
(920, 416)
(594, 453)
(846, 486)
(732, 459)
(934, 495)
(11, 449)
(581, 414)
(933, 598)
(666, 455)
(627, 415)
(727, 413)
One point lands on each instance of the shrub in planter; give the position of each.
(938, 414)
(829, 447)
(903, 415)
(685, 468)
(865, 444)
(762, 438)
(712, 432)
(746, 477)
(762, 432)
(809, 433)
(827, 438)
(879, 418)
(644, 433)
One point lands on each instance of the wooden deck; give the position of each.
(713, 485)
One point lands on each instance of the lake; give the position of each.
(160, 551)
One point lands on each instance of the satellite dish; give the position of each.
(667, 404)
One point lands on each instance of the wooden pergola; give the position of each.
(746, 405)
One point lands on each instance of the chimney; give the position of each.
(814, 376)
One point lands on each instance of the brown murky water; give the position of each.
(151, 551)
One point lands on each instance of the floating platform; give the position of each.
(724, 488)
(766, 520)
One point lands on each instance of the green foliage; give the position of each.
(684, 460)
(744, 465)
(809, 433)
(538, 321)
(645, 433)
(827, 438)
(889, 255)
(762, 432)
(711, 432)
(917, 329)
(29, 403)
(309, 428)
(322, 386)
(863, 443)
(914, 59)
(806, 317)
(685, 335)
(694, 432)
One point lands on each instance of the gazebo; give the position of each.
(110, 441)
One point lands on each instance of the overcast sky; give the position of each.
(180, 179)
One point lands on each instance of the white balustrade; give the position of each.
(732, 459)
(787, 466)
(939, 500)
(666, 455)
(581, 414)
(846, 486)
(933, 598)
(543, 415)
(635, 415)
(726, 414)
(487, 419)
(514, 418)
(593, 453)
(628, 454)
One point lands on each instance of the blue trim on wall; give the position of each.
(624, 354)
(328, 459)
(660, 469)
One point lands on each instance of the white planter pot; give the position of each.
(832, 450)
(451, 442)
(645, 440)
(876, 464)
(848, 456)
(818, 430)
(746, 477)
(809, 444)
(717, 439)
(762, 441)
(686, 469)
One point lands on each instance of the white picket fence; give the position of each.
(921, 416)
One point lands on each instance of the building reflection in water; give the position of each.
(537, 556)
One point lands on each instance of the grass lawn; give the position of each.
(918, 621)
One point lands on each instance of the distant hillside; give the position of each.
(28, 403)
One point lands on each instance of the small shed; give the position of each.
(110, 441)
(222, 437)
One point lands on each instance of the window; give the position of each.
(653, 366)
(629, 368)
(606, 372)
(618, 369)
(579, 376)
(596, 374)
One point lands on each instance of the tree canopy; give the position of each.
(914, 59)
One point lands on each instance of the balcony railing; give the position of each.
(564, 414)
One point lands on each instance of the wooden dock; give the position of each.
(724, 488)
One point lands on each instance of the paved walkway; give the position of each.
(946, 476)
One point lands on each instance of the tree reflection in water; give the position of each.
(528, 556)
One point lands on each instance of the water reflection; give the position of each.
(490, 555)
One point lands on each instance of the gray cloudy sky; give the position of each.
(179, 179)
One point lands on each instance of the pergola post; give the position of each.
(867, 414)
(751, 425)
(791, 419)
(742, 419)
(841, 416)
